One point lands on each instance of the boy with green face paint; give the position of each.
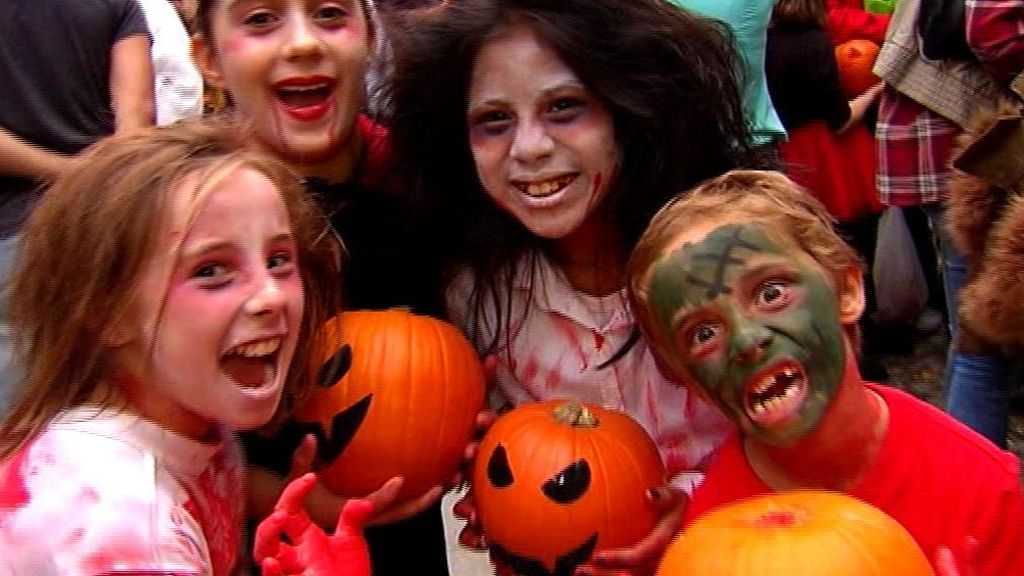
(747, 295)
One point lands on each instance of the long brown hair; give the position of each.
(86, 243)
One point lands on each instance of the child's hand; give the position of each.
(324, 505)
(310, 552)
(643, 557)
(472, 534)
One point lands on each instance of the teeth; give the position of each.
(257, 349)
(303, 88)
(547, 187)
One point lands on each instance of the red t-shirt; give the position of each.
(941, 480)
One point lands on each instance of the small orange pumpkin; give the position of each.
(796, 533)
(554, 481)
(855, 59)
(399, 395)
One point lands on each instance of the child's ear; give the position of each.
(206, 60)
(851, 296)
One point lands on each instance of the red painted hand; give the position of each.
(288, 543)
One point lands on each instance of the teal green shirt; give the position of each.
(748, 20)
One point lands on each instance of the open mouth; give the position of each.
(545, 188)
(776, 394)
(254, 364)
(304, 96)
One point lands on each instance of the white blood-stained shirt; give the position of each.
(557, 348)
(107, 493)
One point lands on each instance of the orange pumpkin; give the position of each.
(555, 481)
(855, 59)
(797, 533)
(399, 395)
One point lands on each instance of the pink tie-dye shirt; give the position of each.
(112, 493)
(557, 348)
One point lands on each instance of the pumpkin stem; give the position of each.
(576, 415)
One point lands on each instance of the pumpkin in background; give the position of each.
(796, 533)
(554, 481)
(399, 394)
(855, 59)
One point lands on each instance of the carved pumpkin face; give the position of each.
(798, 533)
(556, 481)
(399, 395)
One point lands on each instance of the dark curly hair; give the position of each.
(670, 79)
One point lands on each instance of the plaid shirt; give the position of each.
(995, 29)
(913, 147)
(914, 144)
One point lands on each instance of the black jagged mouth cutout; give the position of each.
(344, 426)
(565, 565)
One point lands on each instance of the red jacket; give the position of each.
(847, 20)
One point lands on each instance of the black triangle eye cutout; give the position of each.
(570, 484)
(336, 367)
(498, 470)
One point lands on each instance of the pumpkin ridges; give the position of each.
(538, 447)
(840, 536)
(380, 341)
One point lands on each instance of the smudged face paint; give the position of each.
(543, 143)
(294, 69)
(754, 321)
(216, 318)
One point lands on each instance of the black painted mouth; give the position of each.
(565, 565)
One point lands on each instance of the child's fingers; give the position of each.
(288, 558)
(268, 535)
(271, 567)
(385, 496)
(354, 515)
(302, 458)
(294, 494)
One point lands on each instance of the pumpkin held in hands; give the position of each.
(797, 533)
(398, 395)
(855, 60)
(554, 481)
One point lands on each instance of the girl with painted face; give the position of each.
(295, 72)
(166, 292)
(543, 135)
(746, 292)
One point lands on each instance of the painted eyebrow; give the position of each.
(546, 93)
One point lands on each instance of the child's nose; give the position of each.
(750, 342)
(267, 299)
(302, 38)
(531, 142)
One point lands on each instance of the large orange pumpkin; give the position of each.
(797, 533)
(855, 59)
(399, 395)
(555, 481)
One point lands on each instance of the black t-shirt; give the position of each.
(389, 262)
(803, 78)
(54, 79)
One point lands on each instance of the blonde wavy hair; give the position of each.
(84, 247)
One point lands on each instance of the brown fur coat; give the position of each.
(985, 215)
